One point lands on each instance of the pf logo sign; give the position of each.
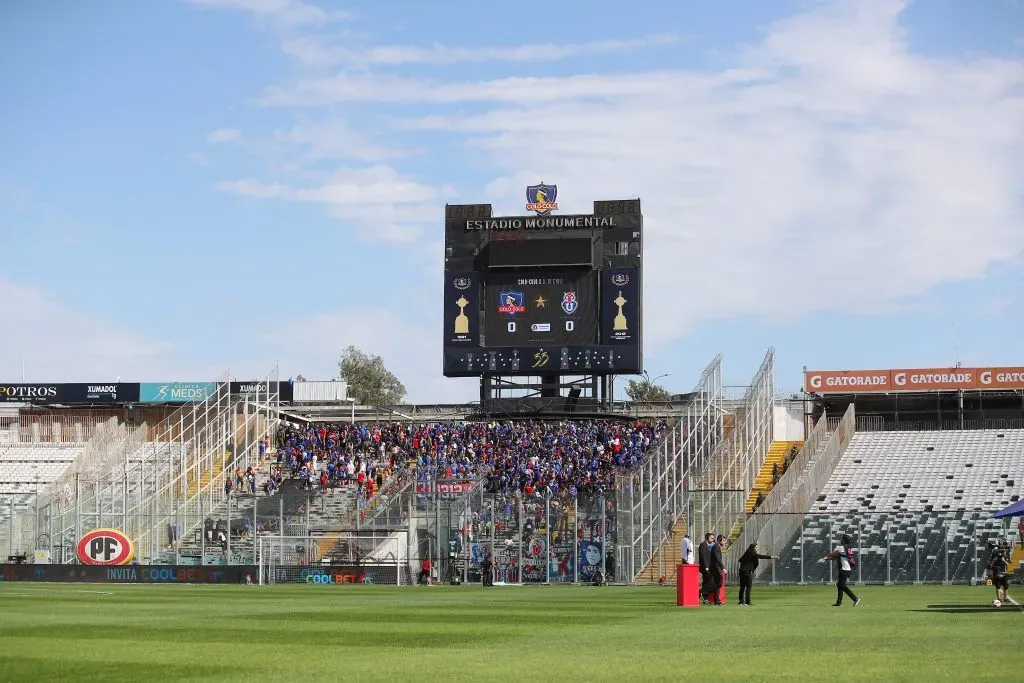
(105, 547)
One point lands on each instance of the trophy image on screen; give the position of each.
(620, 320)
(462, 320)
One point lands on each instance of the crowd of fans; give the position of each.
(532, 457)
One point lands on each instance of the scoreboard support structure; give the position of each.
(544, 309)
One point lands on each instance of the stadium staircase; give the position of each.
(763, 484)
(206, 477)
(665, 559)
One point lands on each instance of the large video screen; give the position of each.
(559, 309)
(533, 253)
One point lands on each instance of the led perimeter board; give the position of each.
(543, 295)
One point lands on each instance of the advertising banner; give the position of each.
(926, 379)
(336, 575)
(176, 392)
(620, 306)
(104, 547)
(72, 573)
(69, 393)
(462, 309)
(260, 389)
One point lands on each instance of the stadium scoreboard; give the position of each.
(543, 294)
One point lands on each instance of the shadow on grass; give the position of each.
(964, 609)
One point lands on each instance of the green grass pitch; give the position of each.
(81, 632)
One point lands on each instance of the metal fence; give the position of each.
(380, 557)
(906, 547)
(74, 428)
(799, 486)
(720, 487)
(876, 423)
(652, 497)
(530, 539)
(153, 483)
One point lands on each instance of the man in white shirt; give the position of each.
(843, 555)
(686, 550)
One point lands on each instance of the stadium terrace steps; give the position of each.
(918, 505)
(763, 484)
(950, 546)
(205, 478)
(932, 470)
(1017, 559)
(665, 558)
(26, 468)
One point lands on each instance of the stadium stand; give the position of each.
(25, 468)
(527, 456)
(917, 504)
(319, 493)
(938, 470)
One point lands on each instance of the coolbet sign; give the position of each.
(931, 379)
(105, 547)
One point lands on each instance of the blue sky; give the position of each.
(199, 185)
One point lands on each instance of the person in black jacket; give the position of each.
(487, 570)
(704, 558)
(748, 565)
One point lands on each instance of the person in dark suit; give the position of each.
(704, 559)
(748, 565)
(717, 567)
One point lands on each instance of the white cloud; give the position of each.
(291, 12)
(379, 202)
(334, 139)
(368, 186)
(222, 135)
(519, 91)
(316, 52)
(826, 167)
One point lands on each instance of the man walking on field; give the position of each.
(844, 557)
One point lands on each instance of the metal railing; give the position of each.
(904, 547)
(720, 489)
(876, 423)
(651, 497)
(191, 457)
(67, 428)
(146, 480)
(777, 520)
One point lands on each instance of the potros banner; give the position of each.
(927, 379)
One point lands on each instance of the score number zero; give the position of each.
(570, 325)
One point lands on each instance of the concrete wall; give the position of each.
(788, 421)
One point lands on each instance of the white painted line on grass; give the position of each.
(1015, 603)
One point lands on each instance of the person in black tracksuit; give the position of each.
(748, 565)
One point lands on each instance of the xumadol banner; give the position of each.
(922, 379)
